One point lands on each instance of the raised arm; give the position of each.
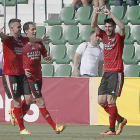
(2, 35)
(42, 39)
(94, 20)
(117, 21)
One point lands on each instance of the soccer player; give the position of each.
(113, 78)
(31, 59)
(14, 79)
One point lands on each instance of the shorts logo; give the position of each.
(112, 92)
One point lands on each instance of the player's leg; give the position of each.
(119, 85)
(115, 84)
(36, 90)
(28, 98)
(12, 85)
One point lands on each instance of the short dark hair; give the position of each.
(26, 25)
(92, 32)
(13, 20)
(109, 20)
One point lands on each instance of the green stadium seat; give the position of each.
(132, 15)
(48, 50)
(55, 33)
(132, 71)
(58, 52)
(84, 35)
(69, 57)
(63, 70)
(128, 54)
(67, 13)
(9, 2)
(118, 11)
(22, 1)
(136, 58)
(71, 33)
(111, 2)
(134, 37)
(41, 30)
(48, 70)
(82, 15)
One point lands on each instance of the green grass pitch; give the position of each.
(72, 132)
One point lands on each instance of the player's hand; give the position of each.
(1, 30)
(98, 10)
(106, 11)
(47, 59)
(27, 72)
(45, 38)
(76, 73)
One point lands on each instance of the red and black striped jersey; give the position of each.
(113, 49)
(32, 59)
(12, 51)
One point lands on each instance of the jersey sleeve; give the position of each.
(102, 34)
(121, 37)
(7, 41)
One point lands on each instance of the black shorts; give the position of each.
(16, 85)
(111, 83)
(36, 88)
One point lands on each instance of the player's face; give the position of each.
(16, 28)
(94, 38)
(110, 29)
(31, 32)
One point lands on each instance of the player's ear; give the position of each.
(26, 31)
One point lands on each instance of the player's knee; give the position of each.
(40, 101)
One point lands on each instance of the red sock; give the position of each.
(106, 108)
(24, 107)
(47, 116)
(112, 114)
(18, 113)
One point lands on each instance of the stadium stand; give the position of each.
(55, 33)
(82, 15)
(22, 1)
(131, 15)
(8, 2)
(58, 52)
(48, 70)
(41, 30)
(63, 70)
(69, 56)
(71, 33)
(132, 71)
(118, 11)
(84, 35)
(128, 54)
(134, 37)
(66, 14)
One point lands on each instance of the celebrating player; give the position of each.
(31, 58)
(113, 78)
(14, 79)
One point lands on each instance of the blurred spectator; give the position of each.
(122, 3)
(79, 3)
(131, 2)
